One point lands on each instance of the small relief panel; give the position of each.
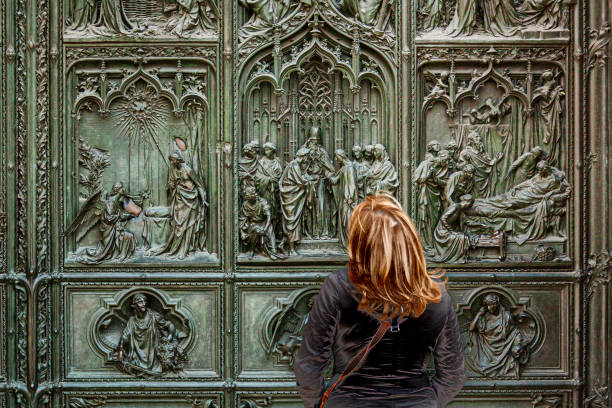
(141, 167)
(271, 326)
(260, 20)
(150, 399)
(492, 181)
(316, 135)
(478, 19)
(505, 331)
(273, 399)
(142, 19)
(485, 399)
(142, 332)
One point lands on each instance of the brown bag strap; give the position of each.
(354, 363)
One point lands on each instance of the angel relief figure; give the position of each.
(109, 215)
(286, 337)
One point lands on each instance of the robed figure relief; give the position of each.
(255, 223)
(188, 207)
(264, 14)
(317, 220)
(346, 196)
(496, 344)
(297, 192)
(149, 344)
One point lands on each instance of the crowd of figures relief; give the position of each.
(142, 193)
(491, 183)
(505, 18)
(140, 18)
(310, 198)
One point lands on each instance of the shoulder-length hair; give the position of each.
(386, 260)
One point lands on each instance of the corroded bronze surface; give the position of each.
(176, 179)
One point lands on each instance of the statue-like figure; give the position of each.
(296, 192)
(548, 110)
(458, 184)
(369, 12)
(433, 148)
(544, 14)
(110, 216)
(433, 12)
(318, 165)
(361, 169)
(255, 223)
(344, 182)
(188, 208)
(112, 17)
(149, 345)
(450, 244)
(247, 165)
(453, 152)
(496, 347)
(499, 17)
(267, 176)
(524, 167)
(530, 209)
(441, 84)
(190, 15)
(485, 176)
(84, 14)
(382, 175)
(429, 181)
(265, 14)
(368, 155)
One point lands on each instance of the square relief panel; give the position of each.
(514, 332)
(271, 321)
(492, 180)
(141, 168)
(535, 399)
(142, 332)
(150, 399)
(271, 399)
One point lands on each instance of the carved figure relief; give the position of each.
(142, 18)
(504, 18)
(143, 187)
(319, 115)
(502, 332)
(283, 324)
(143, 333)
(496, 189)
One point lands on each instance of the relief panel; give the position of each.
(513, 331)
(446, 20)
(274, 399)
(492, 181)
(143, 332)
(152, 399)
(536, 399)
(271, 321)
(317, 118)
(140, 19)
(3, 332)
(141, 181)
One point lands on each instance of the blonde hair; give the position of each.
(386, 260)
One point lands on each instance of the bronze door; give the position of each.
(177, 177)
